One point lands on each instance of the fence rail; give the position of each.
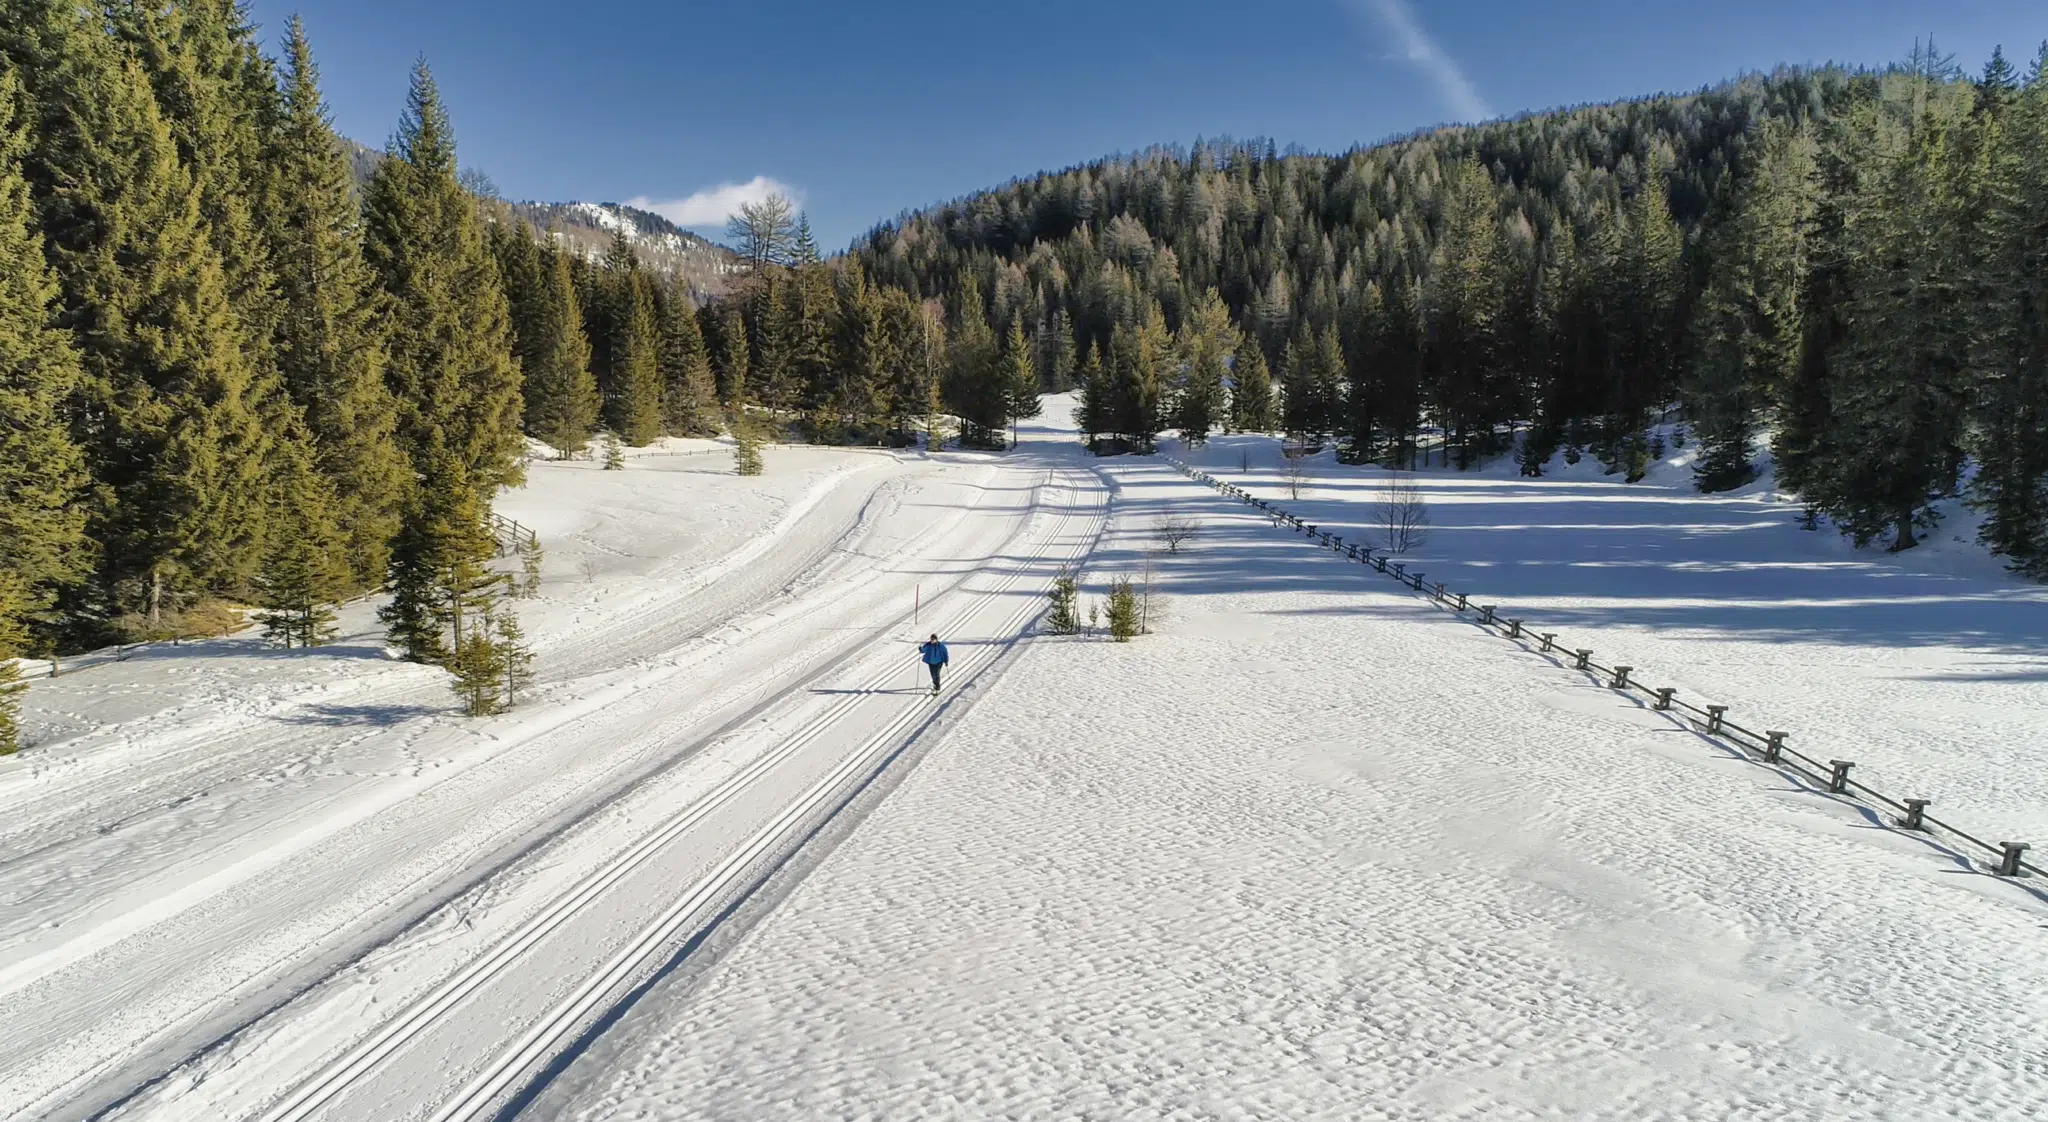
(2006, 858)
(511, 536)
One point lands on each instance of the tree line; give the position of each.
(1849, 262)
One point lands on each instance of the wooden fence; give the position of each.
(2005, 859)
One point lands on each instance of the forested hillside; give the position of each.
(234, 374)
(1856, 263)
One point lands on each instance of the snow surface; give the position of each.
(1317, 850)
(1314, 850)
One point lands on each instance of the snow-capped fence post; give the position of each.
(1440, 591)
(1838, 777)
(1621, 677)
(1462, 602)
(1916, 813)
(1380, 563)
(1664, 698)
(1417, 578)
(1549, 641)
(1514, 629)
(1714, 714)
(1774, 744)
(2009, 865)
(1398, 574)
(1486, 613)
(1584, 657)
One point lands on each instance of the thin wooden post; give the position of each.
(1486, 613)
(1664, 698)
(1549, 641)
(1514, 629)
(1583, 658)
(2009, 865)
(1916, 813)
(1714, 714)
(1774, 745)
(1621, 677)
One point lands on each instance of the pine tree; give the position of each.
(974, 389)
(43, 548)
(440, 577)
(221, 101)
(559, 392)
(1465, 305)
(1020, 379)
(451, 367)
(632, 381)
(1747, 327)
(1137, 380)
(746, 448)
(2010, 315)
(330, 336)
(172, 408)
(803, 247)
(306, 569)
(689, 394)
(1898, 404)
(1251, 389)
(1201, 351)
(1095, 412)
(517, 656)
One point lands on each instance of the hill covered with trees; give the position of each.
(1854, 262)
(232, 373)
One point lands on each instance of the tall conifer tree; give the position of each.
(43, 548)
(330, 323)
(689, 393)
(451, 366)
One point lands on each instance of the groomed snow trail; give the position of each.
(368, 896)
(1317, 851)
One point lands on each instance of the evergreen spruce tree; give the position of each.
(451, 366)
(559, 391)
(1020, 379)
(330, 335)
(306, 569)
(1747, 327)
(43, 547)
(803, 247)
(746, 446)
(221, 101)
(1202, 350)
(632, 382)
(974, 389)
(1251, 389)
(689, 393)
(173, 409)
(2007, 202)
(1464, 310)
(440, 579)
(1898, 408)
(1096, 408)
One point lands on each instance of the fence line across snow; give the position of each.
(2007, 858)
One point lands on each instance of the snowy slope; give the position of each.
(1316, 850)
(229, 886)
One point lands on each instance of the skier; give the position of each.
(934, 653)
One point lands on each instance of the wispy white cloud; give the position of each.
(1415, 47)
(713, 205)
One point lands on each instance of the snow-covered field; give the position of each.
(1316, 850)
(1313, 850)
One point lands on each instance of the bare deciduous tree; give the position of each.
(1403, 514)
(1173, 530)
(763, 232)
(1294, 469)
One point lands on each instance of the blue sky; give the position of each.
(864, 109)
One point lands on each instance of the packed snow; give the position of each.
(1313, 849)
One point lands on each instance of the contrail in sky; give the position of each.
(1417, 47)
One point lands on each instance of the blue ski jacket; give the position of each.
(934, 653)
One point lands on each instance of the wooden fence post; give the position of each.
(1461, 601)
(1838, 778)
(1774, 743)
(1486, 613)
(1916, 812)
(1664, 698)
(1549, 641)
(1584, 657)
(1621, 677)
(2009, 865)
(1514, 629)
(1714, 713)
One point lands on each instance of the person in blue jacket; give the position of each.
(934, 653)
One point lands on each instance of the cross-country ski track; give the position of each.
(433, 939)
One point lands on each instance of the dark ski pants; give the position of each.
(935, 667)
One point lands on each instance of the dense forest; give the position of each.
(1855, 263)
(233, 375)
